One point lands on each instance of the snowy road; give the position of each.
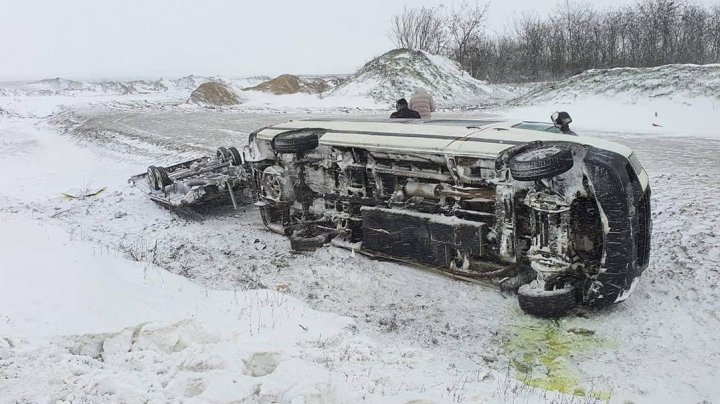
(656, 346)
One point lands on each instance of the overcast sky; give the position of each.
(172, 38)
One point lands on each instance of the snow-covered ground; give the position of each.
(111, 298)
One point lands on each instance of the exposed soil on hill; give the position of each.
(213, 93)
(292, 84)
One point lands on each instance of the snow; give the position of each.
(112, 298)
(312, 102)
(85, 318)
(135, 327)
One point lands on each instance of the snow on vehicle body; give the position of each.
(565, 216)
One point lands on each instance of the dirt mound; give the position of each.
(292, 84)
(398, 72)
(283, 84)
(213, 93)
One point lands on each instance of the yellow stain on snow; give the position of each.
(542, 353)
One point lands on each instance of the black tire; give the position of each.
(223, 154)
(163, 178)
(235, 156)
(296, 141)
(547, 304)
(152, 178)
(299, 243)
(544, 161)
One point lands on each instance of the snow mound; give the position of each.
(672, 82)
(398, 72)
(213, 93)
(292, 84)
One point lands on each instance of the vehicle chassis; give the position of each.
(558, 232)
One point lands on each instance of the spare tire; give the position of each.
(296, 141)
(543, 161)
(547, 303)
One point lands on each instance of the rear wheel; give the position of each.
(547, 303)
(223, 154)
(543, 161)
(235, 156)
(162, 177)
(152, 178)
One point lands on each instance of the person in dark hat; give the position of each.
(403, 111)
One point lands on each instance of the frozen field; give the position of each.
(392, 332)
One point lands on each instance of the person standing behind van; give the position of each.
(402, 110)
(422, 102)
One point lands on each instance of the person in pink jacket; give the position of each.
(422, 102)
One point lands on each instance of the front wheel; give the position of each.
(547, 303)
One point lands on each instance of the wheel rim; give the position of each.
(273, 187)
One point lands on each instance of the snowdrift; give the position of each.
(398, 72)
